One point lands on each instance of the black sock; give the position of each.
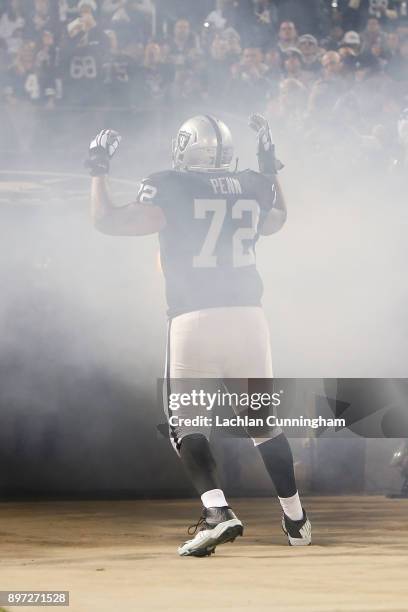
(199, 463)
(278, 459)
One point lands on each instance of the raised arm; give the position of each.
(137, 218)
(272, 198)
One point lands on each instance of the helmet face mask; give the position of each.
(203, 144)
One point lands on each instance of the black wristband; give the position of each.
(266, 160)
(98, 162)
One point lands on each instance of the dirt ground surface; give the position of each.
(121, 556)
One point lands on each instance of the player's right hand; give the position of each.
(101, 150)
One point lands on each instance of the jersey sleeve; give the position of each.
(154, 190)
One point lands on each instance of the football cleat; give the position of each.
(299, 533)
(217, 526)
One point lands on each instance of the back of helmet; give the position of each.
(203, 144)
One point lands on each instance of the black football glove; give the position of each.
(101, 151)
(268, 164)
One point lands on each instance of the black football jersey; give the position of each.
(207, 248)
(83, 61)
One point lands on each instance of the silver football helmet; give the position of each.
(204, 144)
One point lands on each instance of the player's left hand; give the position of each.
(101, 150)
(268, 164)
(258, 122)
(261, 126)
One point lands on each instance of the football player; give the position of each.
(209, 220)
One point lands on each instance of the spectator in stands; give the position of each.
(293, 65)
(273, 62)
(248, 86)
(367, 65)
(197, 61)
(233, 41)
(42, 17)
(392, 43)
(378, 49)
(287, 37)
(12, 22)
(384, 10)
(157, 75)
(84, 54)
(87, 6)
(252, 62)
(22, 81)
(46, 67)
(182, 42)
(333, 40)
(311, 53)
(124, 78)
(331, 66)
(188, 86)
(218, 67)
(346, 53)
(351, 40)
(326, 91)
(348, 60)
(371, 33)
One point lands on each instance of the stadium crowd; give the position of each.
(342, 64)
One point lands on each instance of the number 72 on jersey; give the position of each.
(242, 255)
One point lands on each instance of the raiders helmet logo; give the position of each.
(182, 141)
